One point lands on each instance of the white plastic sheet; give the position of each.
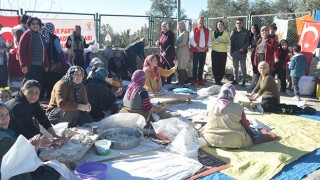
(14, 161)
(131, 120)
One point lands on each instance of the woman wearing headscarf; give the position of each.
(100, 96)
(136, 99)
(154, 72)
(183, 54)
(89, 57)
(227, 125)
(117, 66)
(69, 101)
(220, 42)
(58, 64)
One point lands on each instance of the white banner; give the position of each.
(282, 28)
(65, 27)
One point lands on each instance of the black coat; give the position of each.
(21, 113)
(100, 97)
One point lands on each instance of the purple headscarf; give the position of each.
(225, 96)
(138, 80)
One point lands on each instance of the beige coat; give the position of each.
(182, 52)
(225, 130)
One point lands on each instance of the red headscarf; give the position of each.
(147, 64)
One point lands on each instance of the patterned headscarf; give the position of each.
(68, 78)
(138, 80)
(100, 73)
(47, 31)
(225, 96)
(147, 64)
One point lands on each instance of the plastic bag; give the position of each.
(171, 127)
(204, 92)
(307, 85)
(131, 120)
(185, 143)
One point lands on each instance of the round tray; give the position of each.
(126, 144)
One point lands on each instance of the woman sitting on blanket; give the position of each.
(227, 125)
(136, 99)
(267, 88)
(8, 138)
(154, 72)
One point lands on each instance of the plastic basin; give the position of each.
(91, 170)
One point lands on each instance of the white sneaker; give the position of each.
(297, 98)
(289, 92)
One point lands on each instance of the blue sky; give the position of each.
(131, 7)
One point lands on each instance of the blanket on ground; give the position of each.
(299, 136)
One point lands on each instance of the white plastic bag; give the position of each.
(307, 85)
(185, 143)
(131, 120)
(204, 92)
(171, 127)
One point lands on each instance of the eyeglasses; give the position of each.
(34, 23)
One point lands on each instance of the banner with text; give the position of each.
(65, 27)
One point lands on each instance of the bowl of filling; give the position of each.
(123, 138)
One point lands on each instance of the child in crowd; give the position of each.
(281, 65)
(5, 94)
(298, 67)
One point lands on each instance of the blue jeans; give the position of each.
(239, 57)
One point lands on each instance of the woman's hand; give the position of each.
(60, 140)
(175, 62)
(155, 109)
(84, 107)
(40, 141)
(118, 93)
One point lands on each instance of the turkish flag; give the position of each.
(8, 22)
(309, 39)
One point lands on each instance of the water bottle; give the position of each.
(277, 81)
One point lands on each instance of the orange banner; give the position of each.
(299, 23)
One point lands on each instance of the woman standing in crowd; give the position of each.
(100, 96)
(132, 51)
(253, 38)
(3, 62)
(58, 62)
(267, 88)
(136, 99)
(280, 67)
(24, 107)
(117, 66)
(167, 51)
(69, 101)
(8, 138)
(153, 73)
(32, 52)
(220, 41)
(183, 54)
(266, 50)
(227, 125)
(89, 57)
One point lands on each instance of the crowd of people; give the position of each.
(80, 88)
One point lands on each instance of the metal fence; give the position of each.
(229, 22)
(127, 28)
(267, 19)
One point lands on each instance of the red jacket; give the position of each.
(287, 59)
(196, 35)
(26, 48)
(270, 52)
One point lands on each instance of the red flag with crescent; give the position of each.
(309, 39)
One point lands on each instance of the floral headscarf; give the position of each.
(147, 64)
(138, 80)
(68, 78)
(225, 96)
(47, 31)
(100, 73)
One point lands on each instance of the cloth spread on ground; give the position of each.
(299, 136)
(153, 165)
(316, 116)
